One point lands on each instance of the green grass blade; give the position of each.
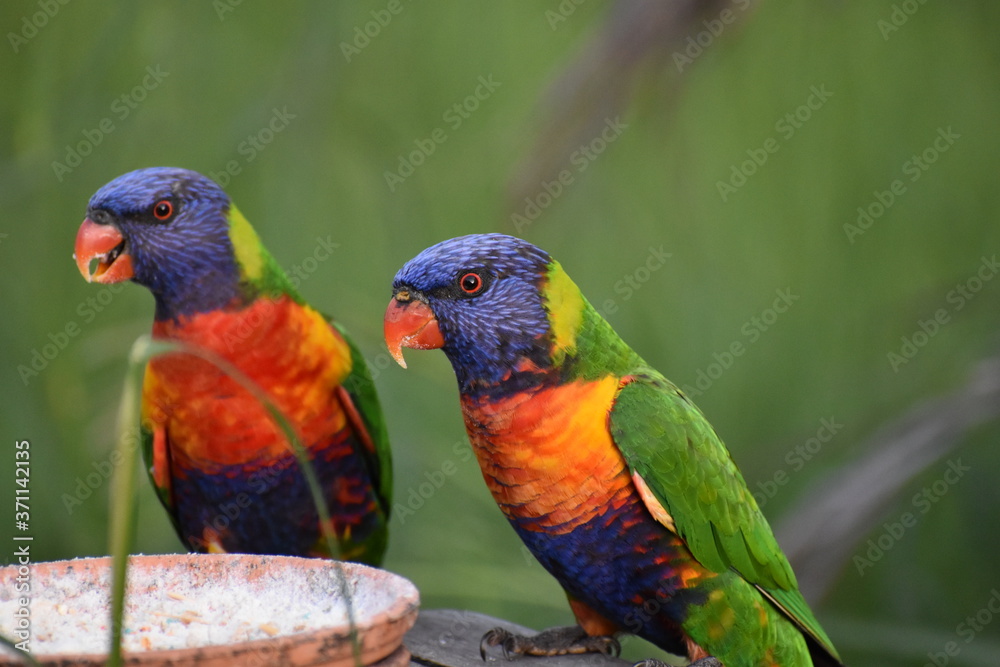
(17, 653)
(123, 514)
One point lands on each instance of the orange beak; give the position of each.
(410, 324)
(105, 244)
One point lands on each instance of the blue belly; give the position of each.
(623, 564)
(268, 509)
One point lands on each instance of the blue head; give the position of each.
(167, 229)
(481, 299)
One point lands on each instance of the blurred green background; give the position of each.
(224, 71)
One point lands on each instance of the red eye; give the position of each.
(471, 283)
(163, 209)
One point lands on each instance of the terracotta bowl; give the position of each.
(226, 609)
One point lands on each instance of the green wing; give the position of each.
(361, 388)
(146, 438)
(668, 442)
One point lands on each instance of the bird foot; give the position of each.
(554, 641)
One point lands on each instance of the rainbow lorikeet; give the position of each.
(222, 468)
(610, 475)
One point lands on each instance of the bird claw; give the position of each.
(608, 646)
(497, 637)
(554, 641)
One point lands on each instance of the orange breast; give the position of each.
(547, 456)
(287, 349)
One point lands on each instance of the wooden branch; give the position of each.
(451, 638)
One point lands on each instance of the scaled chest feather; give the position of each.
(547, 455)
(289, 350)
